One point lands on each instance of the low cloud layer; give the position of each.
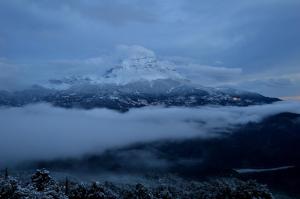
(44, 132)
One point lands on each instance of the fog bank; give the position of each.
(43, 132)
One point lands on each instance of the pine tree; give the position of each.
(6, 174)
(67, 186)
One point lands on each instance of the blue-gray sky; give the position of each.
(252, 44)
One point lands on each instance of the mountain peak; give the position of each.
(138, 64)
(143, 67)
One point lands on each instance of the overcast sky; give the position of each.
(251, 44)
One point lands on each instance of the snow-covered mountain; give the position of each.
(137, 68)
(137, 81)
(141, 68)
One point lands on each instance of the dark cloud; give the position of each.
(116, 12)
(248, 33)
(255, 36)
(274, 86)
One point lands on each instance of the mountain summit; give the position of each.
(139, 66)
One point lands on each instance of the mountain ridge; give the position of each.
(137, 82)
(134, 95)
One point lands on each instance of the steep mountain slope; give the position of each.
(271, 143)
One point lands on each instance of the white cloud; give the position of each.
(133, 51)
(210, 75)
(12, 76)
(271, 85)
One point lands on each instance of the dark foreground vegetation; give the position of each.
(42, 185)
